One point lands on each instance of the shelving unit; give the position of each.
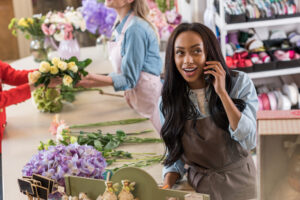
(224, 28)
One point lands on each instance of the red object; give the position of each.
(10, 76)
(265, 101)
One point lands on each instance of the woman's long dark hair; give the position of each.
(176, 106)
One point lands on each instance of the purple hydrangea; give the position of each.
(98, 17)
(60, 160)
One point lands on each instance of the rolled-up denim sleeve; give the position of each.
(177, 167)
(133, 53)
(245, 133)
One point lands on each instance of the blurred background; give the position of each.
(13, 48)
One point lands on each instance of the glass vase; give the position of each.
(37, 48)
(101, 45)
(68, 49)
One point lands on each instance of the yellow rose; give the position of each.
(44, 67)
(53, 70)
(55, 61)
(30, 20)
(22, 22)
(33, 76)
(73, 67)
(67, 80)
(62, 65)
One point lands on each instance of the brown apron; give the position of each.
(217, 164)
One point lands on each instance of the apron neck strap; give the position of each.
(127, 23)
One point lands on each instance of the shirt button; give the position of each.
(3, 125)
(1, 109)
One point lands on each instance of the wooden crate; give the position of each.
(146, 187)
(274, 128)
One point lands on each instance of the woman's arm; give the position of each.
(219, 74)
(95, 80)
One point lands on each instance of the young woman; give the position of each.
(135, 59)
(209, 116)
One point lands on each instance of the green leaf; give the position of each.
(92, 136)
(98, 145)
(112, 144)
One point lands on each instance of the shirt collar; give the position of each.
(120, 25)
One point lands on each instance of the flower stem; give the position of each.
(109, 123)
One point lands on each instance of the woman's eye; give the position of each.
(197, 51)
(178, 52)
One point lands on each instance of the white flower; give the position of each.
(53, 70)
(62, 65)
(67, 80)
(44, 67)
(73, 67)
(59, 133)
(55, 61)
(33, 76)
(59, 36)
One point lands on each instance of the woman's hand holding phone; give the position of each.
(215, 69)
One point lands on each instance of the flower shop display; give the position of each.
(31, 28)
(99, 21)
(99, 18)
(62, 27)
(50, 99)
(61, 160)
(164, 17)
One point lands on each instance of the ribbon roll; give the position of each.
(273, 101)
(265, 101)
(260, 103)
(291, 92)
(286, 103)
(279, 98)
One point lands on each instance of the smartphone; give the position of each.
(208, 78)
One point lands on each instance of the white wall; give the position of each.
(193, 11)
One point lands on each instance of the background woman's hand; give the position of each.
(215, 69)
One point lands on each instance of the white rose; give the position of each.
(44, 67)
(67, 80)
(62, 65)
(73, 67)
(33, 76)
(53, 70)
(59, 36)
(55, 61)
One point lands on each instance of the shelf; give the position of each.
(256, 24)
(271, 73)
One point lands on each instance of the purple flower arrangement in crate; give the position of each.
(60, 160)
(99, 19)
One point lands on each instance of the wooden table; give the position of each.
(27, 126)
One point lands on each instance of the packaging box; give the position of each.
(277, 130)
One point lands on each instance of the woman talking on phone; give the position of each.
(209, 117)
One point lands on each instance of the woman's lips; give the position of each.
(190, 71)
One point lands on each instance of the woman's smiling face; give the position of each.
(190, 58)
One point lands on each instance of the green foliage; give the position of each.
(163, 5)
(47, 100)
(30, 26)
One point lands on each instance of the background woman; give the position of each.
(135, 59)
(209, 116)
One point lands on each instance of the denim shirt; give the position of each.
(139, 51)
(245, 133)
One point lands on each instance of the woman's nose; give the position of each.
(188, 58)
